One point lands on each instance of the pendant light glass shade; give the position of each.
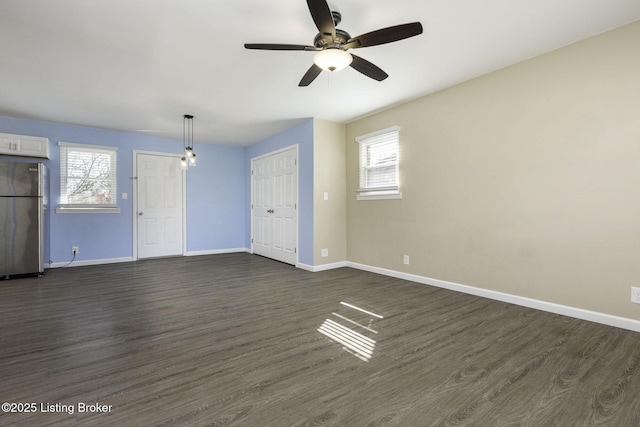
(332, 59)
(189, 157)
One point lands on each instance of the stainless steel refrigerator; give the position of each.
(22, 218)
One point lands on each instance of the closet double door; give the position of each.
(274, 206)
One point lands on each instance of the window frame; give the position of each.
(65, 147)
(378, 192)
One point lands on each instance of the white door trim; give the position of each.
(262, 156)
(271, 153)
(134, 178)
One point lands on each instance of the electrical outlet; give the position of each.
(324, 252)
(635, 295)
(406, 260)
(74, 250)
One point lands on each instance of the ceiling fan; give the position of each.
(332, 44)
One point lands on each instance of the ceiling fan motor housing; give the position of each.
(341, 38)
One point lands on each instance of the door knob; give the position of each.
(139, 213)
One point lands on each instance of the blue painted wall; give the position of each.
(302, 135)
(215, 193)
(218, 191)
(215, 199)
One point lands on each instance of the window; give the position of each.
(87, 178)
(379, 175)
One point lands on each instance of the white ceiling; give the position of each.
(139, 65)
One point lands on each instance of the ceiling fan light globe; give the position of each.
(332, 59)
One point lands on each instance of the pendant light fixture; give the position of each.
(189, 156)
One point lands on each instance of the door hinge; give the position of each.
(251, 240)
(295, 250)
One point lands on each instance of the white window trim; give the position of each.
(379, 196)
(64, 210)
(90, 209)
(381, 193)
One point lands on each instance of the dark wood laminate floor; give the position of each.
(233, 340)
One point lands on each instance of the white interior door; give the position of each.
(274, 206)
(261, 207)
(285, 192)
(159, 206)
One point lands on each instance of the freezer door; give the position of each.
(20, 179)
(20, 235)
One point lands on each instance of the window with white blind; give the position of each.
(379, 165)
(87, 178)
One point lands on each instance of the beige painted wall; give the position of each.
(524, 181)
(329, 175)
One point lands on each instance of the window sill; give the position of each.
(373, 196)
(88, 210)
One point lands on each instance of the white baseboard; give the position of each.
(81, 263)
(578, 313)
(218, 251)
(306, 267)
(322, 267)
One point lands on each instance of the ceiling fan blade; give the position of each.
(368, 69)
(384, 35)
(310, 75)
(271, 46)
(322, 17)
